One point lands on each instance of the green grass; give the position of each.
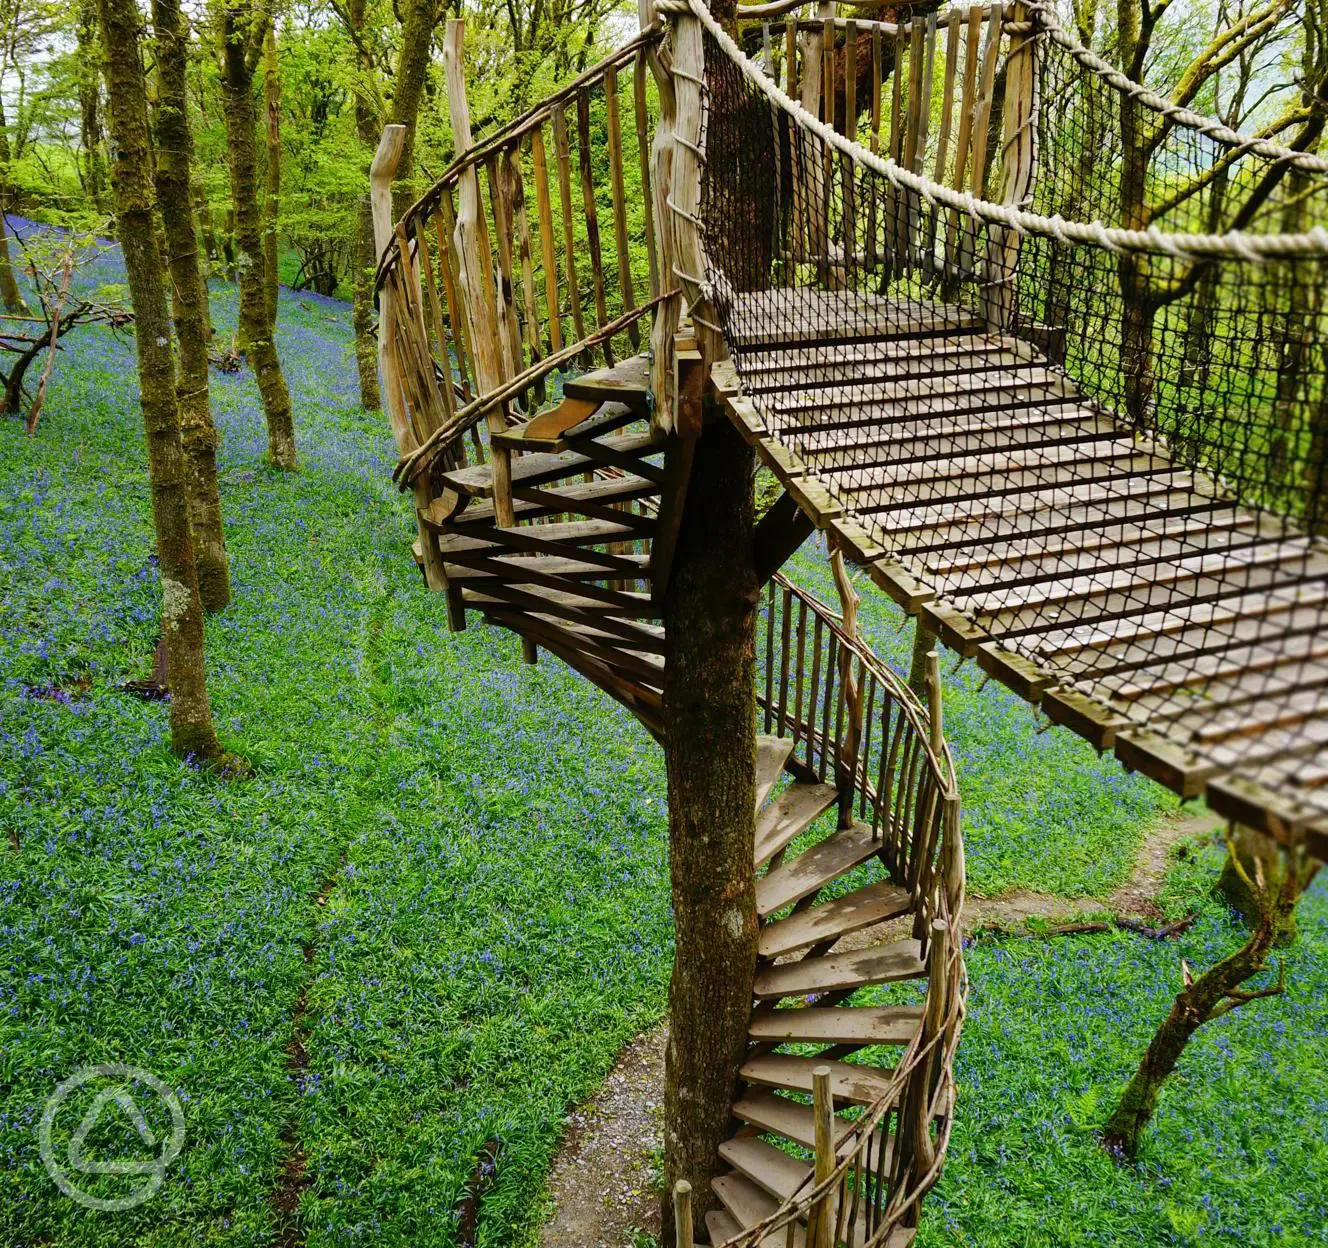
(489, 843)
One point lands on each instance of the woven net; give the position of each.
(1067, 366)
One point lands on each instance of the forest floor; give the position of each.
(383, 971)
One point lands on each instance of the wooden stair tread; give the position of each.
(863, 1025)
(790, 814)
(627, 381)
(864, 1085)
(771, 755)
(843, 972)
(747, 1204)
(477, 480)
(574, 420)
(794, 1120)
(832, 919)
(770, 1168)
(721, 1225)
(531, 536)
(814, 868)
(564, 497)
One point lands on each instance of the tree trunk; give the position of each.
(418, 19)
(1211, 994)
(89, 102)
(255, 329)
(272, 177)
(192, 733)
(175, 149)
(204, 213)
(364, 258)
(710, 749)
(9, 291)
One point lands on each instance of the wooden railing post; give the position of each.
(682, 1213)
(476, 276)
(849, 689)
(381, 173)
(1018, 155)
(820, 1217)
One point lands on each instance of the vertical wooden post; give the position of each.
(820, 1218)
(485, 343)
(682, 1213)
(381, 173)
(934, 702)
(1018, 154)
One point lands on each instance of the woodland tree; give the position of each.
(174, 147)
(192, 733)
(272, 170)
(241, 31)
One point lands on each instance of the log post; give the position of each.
(381, 173)
(819, 1221)
(682, 1213)
(475, 278)
(1018, 157)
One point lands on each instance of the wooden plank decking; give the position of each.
(1136, 600)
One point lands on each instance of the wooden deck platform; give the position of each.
(1135, 600)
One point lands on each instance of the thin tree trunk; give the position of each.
(89, 102)
(364, 258)
(1215, 992)
(418, 19)
(710, 749)
(255, 329)
(204, 212)
(272, 177)
(182, 612)
(9, 291)
(175, 148)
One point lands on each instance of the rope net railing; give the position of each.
(1060, 345)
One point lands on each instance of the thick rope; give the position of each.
(1209, 127)
(1237, 244)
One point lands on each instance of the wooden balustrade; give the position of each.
(535, 252)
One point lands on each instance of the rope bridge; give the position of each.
(1050, 353)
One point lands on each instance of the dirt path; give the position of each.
(602, 1186)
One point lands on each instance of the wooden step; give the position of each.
(530, 537)
(627, 382)
(721, 1225)
(747, 1204)
(860, 1025)
(815, 868)
(843, 972)
(570, 498)
(863, 1085)
(477, 481)
(864, 907)
(573, 420)
(794, 1120)
(771, 1169)
(790, 814)
(771, 755)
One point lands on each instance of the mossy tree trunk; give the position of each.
(272, 173)
(366, 127)
(89, 102)
(710, 749)
(9, 291)
(131, 178)
(240, 32)
(418, 19)
(1275, 880)
(174, 147)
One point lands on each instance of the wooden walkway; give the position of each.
(1135, 601)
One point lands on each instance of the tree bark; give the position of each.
(272, 175)
(365, 258)
(710, 748)
(175, 148)
(418, 19)
(192, 733)
(237, 76)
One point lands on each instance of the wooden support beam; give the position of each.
(778, 534)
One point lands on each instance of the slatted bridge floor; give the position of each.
(1137, 601)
